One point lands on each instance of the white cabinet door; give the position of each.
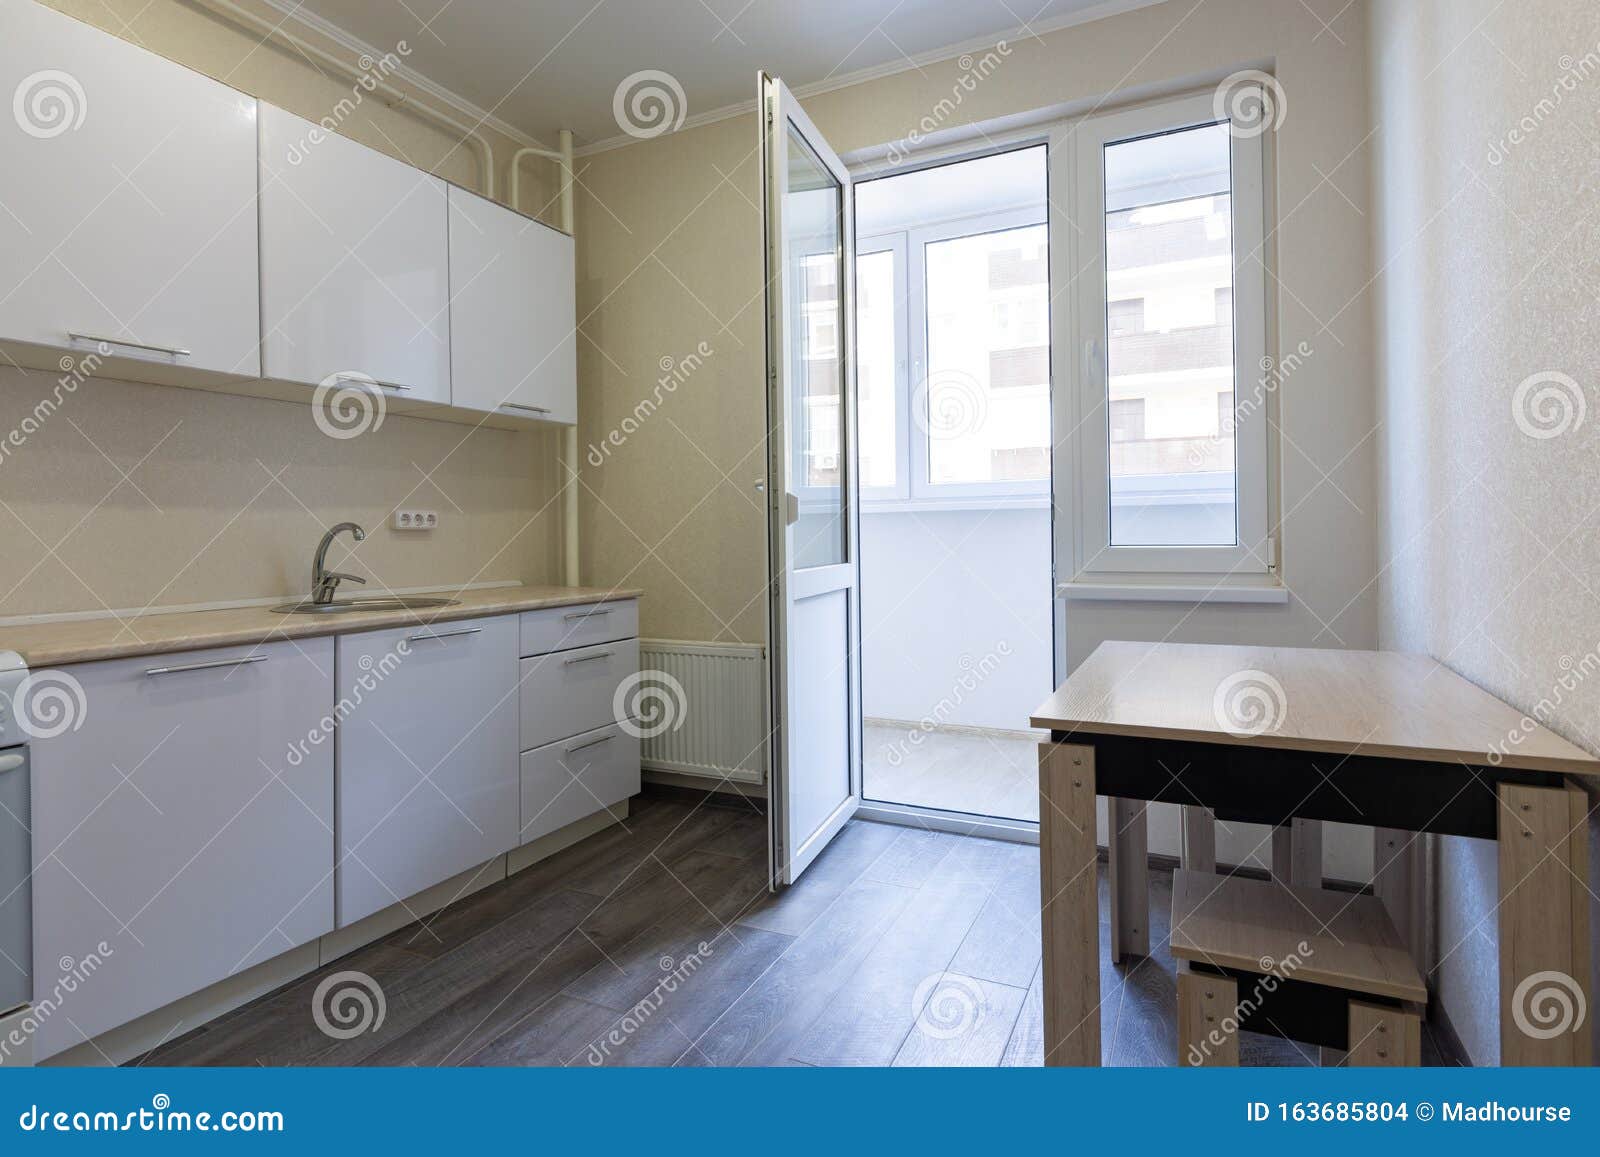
(427, 757)
(564, 781)
(354, 263)
(568, 692)
(182, 832)
(129, 186)
(513, 313)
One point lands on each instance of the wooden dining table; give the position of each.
(1284, 736)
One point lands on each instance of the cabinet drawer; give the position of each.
(562, 628)
(184, 831)
(570, 692)
(564, 781)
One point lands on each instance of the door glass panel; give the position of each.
(1169, 339)
(813, 221)
(985, 406)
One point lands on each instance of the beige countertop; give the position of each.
(53, 644)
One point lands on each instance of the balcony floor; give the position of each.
(982, 773)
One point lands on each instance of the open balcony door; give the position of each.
(814, 633)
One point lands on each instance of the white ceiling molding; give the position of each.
(292, 12)
(845, 80)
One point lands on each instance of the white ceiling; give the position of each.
(544, 65)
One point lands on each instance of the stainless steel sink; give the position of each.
(374, 603)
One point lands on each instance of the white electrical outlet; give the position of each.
(415, 520)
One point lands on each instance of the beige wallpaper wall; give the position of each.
(669, 257)
(141, 495)
(1488, 244)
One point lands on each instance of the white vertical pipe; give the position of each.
(569, 518)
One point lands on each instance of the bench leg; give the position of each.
(1297, 853)
(1070, 904)
(1208, 1025)
(1381, 1035)
(1128, 858)
(1545, 988)
(1199, 838)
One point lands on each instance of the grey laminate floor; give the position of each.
(655, 943)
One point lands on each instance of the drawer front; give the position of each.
(563, 628)
(570, 692)
(427, 757)
(183, 832)
(564, 781)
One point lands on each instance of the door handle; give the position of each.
(443, 635)
(211, 666)
(12, 762)
(792, 509)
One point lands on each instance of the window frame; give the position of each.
(914, 488)
(1083, 480)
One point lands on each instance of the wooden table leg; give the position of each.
(1384, 1036)
(1297, 853)
(1070, 908)
(1128, 861)
(1208, 1027)
(1199, 838)
(1544, 926)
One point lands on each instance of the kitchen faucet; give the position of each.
(323, 581)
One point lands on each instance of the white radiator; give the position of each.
(713, 719)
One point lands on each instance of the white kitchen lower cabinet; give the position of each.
(567, 693)
(182, 828)
(564, 781)
(561, 628)
(428, 743)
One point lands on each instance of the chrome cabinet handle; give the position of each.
(576, 747)
(362, 380)
(211, 666)
(443, 634)
(520, 406)
(587, 658)
(175, 351)
(584, 615)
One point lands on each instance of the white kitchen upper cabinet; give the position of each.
(129, 193)
(513, 313)
(182, 827)
(355, 275)
(428, 767)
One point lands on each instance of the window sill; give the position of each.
(1170, 593)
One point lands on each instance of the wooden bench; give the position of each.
(1327, 968)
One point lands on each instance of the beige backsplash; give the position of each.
(225, 498)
